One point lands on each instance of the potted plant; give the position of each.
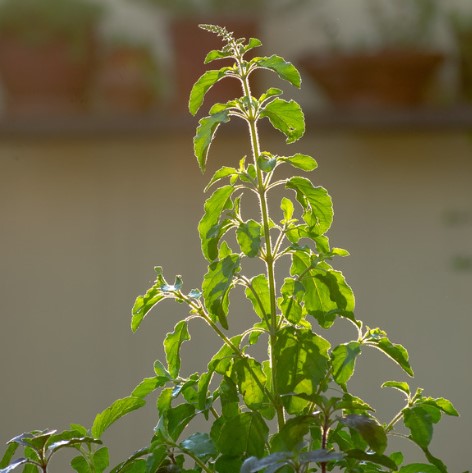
(461, 28)
(289, 409)
(127, 78)
(396, 67)
(47, 54)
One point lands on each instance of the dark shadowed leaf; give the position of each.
(373, 458)
(244, 434)
(371, 431)
(201, 445)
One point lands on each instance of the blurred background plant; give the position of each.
(47, 55)
(391, 64)
(460, 23)
(233, 7)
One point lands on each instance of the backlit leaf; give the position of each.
(204, 136)
(301, 161)
(209, 228)
(398, 353)
(111, 414)
(285, 70)
(259, 295)
(216, 287)
(316, 202)
(248, 235)
(286, 117)
(344, 361)
(420, 419)
(371, 431)
(202, 86)
(172, 344)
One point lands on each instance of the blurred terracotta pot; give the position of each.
(191, 45)
(126, 81)
(45, 79)
(387, 79)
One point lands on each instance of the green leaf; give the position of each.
(80, 465)
(444, 405)
(111, 414)
(174, 420)
(201, 445)
(217, 283)
(223, 172)
(269, 93)
(371, 431)
(302, 364)
(319, 456)
(229, 397)
(272, 462)
(291, 435)
(204, 136)
(145, 303)
(287, 208)
(327, 295)
(420, 419)
(267, 162)
(259, 295)
(223, 359)
(400, 385)
(344, 361)
(250, 378)
(202, 86)
(228, 464)
(315, 201)
(8, 455)
(244, 434)
(398, 353)
(215, 55)
(301, 161)
(147, 386)
(286, 117)
(172, 344)
(100, 460)
(209, 228)
(435, 461)
(15, 464)
(419, 468)
(290, 303)
(285, 70)
(68, 439)
(372, 457)
(252, 43)
(248, 235)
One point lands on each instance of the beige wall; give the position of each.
(83, 221)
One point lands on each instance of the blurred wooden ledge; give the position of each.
(161, 123)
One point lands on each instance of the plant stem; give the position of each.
(269, 255)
